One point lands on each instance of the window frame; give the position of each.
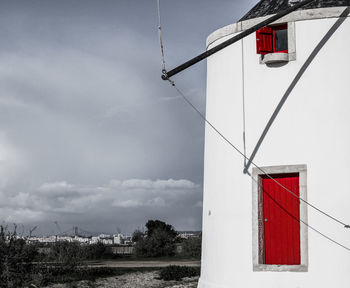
(257, 224)
(274, 29)
(278, 57)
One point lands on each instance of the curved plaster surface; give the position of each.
(309, 14)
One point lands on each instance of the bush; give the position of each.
(16, 258)
(174, 272)
(68, 255)
(192, 247)
(94, 251)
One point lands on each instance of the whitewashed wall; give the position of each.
(313, 128)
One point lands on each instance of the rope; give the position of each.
(160, 38)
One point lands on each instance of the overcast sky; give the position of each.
(89, 133)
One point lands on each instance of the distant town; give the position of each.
(106, 239)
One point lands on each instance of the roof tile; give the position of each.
(268, 7)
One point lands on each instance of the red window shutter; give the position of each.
(264, 40)
(281, 218)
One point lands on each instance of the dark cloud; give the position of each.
(115, 203)
(82, 102)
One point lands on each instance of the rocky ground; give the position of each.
(132, 280)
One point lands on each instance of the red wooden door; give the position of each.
(281, 214)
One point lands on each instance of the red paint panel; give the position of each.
(264, 41)
(281, 216)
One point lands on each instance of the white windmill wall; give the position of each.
(312, 128)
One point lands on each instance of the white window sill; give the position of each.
(280, 268)
(277, 58)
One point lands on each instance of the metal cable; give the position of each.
(302, 221)
(160, 38)
(243, 107)
(259, 168)
(235, 148)
(234, 39)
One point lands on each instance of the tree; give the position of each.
(159, 240)
(137, 236)
(154, 225)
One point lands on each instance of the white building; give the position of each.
(293, 101)
(107, 241)
(118, 239)
(94, 239)
(47, 239)
(127, 240)
(102, 238)
(65, 238)
(81, 239)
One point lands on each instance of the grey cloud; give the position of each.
(52, 200)
(81, 101)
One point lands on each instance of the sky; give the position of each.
(90, 136)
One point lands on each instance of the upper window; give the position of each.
(272, 39)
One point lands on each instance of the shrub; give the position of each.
(192, 247)
(174, 272)
(94, 251)
(16, 260)
(68, 255)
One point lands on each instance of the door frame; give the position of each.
(257, 224)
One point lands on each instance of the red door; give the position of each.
(281, 214)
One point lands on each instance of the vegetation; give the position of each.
(16, 259)
(95, 251)
(73, 253)
(23, 264)
(192, 248)
(65, 254)
(174, 272)
(159, 240)
(137, 236)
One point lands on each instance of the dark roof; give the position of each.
(268, 7)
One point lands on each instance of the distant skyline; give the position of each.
(90, 136)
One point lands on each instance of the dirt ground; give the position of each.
(148, 263)
(132, 280)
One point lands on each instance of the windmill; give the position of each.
(296, 150)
